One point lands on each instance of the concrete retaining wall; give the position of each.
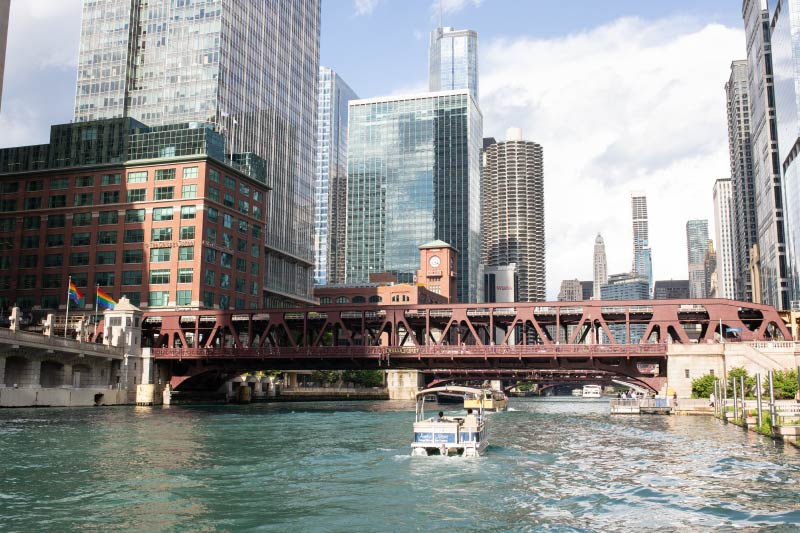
(61, 397)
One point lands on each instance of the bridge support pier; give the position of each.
(2, 371)
(403, 384)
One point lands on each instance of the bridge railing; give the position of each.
(387, 352)
(30, 338)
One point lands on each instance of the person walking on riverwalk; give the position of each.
(711, 399)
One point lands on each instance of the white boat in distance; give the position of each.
(465, 435)
(592, 391)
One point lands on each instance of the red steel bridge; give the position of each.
(628, 338)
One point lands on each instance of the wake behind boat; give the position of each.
(465, 435)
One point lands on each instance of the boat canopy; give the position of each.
(451, 388)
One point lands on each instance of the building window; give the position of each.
(241, 245)
(225, 259)
(359, 300)
(137, 177)
(79, 259)
(224, 300)
(374, 299)
(210, 278)
(134, 297)
(110, 179)
(109, 197)
(230, 182)
(162, 213)
(165, 193)
(84, 199)
(51, 301)
(189, 191)
(57, 184)
(257, 195)
(132, 277)
(185, 275)
(31, 222)
(213, 175)
(159, 277)
(686, 372)
(253, 288)
(54, 260)
(165, 174)
(190, 172)
(134, 215)
(213, 214)
(227, 220)
(224, 281)
(9, 188)
(186, 253)
(211, 235)
(133, 256)
(325, 300)
(184, 298)
(104, 279)
(711, 372)
(241, 264)
(30, 241)
(137, 195)
(33, 203)
(107, 237)
(227, 240)
(82, 219)
(161, 234)
(55, 239)
(159, 255)
(254, 268)
(34, 186)
(56, 201)
(8, 205)
(158, 298)
(187, 233)
(29, 261)
(51, 281)
(27, 281)
(208, 299)
(254, 250)
(210, 255)
(244, 207)
(84, 181)
(241, 285)
(256, 232)
(9, 224)
(244, 189)
(228, 201)
(80, 279)
(109, 217)
(134, 235)
(213, 194)
(106, 258)
(257, 212)
(188, 212)
(242, 226)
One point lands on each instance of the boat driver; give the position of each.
(471, 419)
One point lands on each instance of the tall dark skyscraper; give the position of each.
(512, 211)
(249, 68)
(740, 147)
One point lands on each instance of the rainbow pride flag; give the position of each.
(104, 300)
(74, 294)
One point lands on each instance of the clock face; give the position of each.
(434, 261)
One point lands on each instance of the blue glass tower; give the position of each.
(413, 175)
(453, 61)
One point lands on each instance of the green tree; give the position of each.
(365, 378)
(703, 386)
(749, 382)
(325, 376)
(784, 383)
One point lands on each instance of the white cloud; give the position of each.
(365, 7)
(452, 6)
(632, 105)
(39, 80)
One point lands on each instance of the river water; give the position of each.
(553, 465)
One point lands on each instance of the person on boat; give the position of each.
(470, 420)
(440, 417)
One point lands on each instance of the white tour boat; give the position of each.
(592, 391)
(465, 435)
(492, 400)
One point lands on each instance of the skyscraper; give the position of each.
(786, 66)
(642, 260)
(696, 248)
(724, 235)
(453, 61)
(512, 211)
(743, 215)
(767, 179)
(571, 291)
(600, 266)
(5, 6)
(330, 186)
(250, 68)
(413, 175)
(710, 267)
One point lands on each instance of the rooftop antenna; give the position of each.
(441, 24)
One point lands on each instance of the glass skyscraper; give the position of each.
(696, 248)
(249, 68)
(330, 187)
(453, 61)
(642, 258)
(413, 176)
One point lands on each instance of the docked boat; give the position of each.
(449, 397)
(577, 392)
(592, 391)
(464, 435)
(492, 400)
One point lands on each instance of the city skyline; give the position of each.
(591, 164)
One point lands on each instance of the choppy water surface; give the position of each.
(553, 466)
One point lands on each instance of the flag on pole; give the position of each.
(104, 300)
(74, 294)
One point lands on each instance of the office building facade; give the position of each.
(696, 248)
(330, 185)
(571, 291)
(600, 267)
(723, 201)
(102, 204)
(250, 68)
(673, 289)
(627, 286)
(453, 61)
(512, 211)
(642, 255)
(413, 176)
(743, 215)
(767, 176)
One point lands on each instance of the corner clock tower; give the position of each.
(437, 271)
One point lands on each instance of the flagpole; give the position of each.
(66, 320)
(96, 295)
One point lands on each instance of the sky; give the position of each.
(623, 96)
